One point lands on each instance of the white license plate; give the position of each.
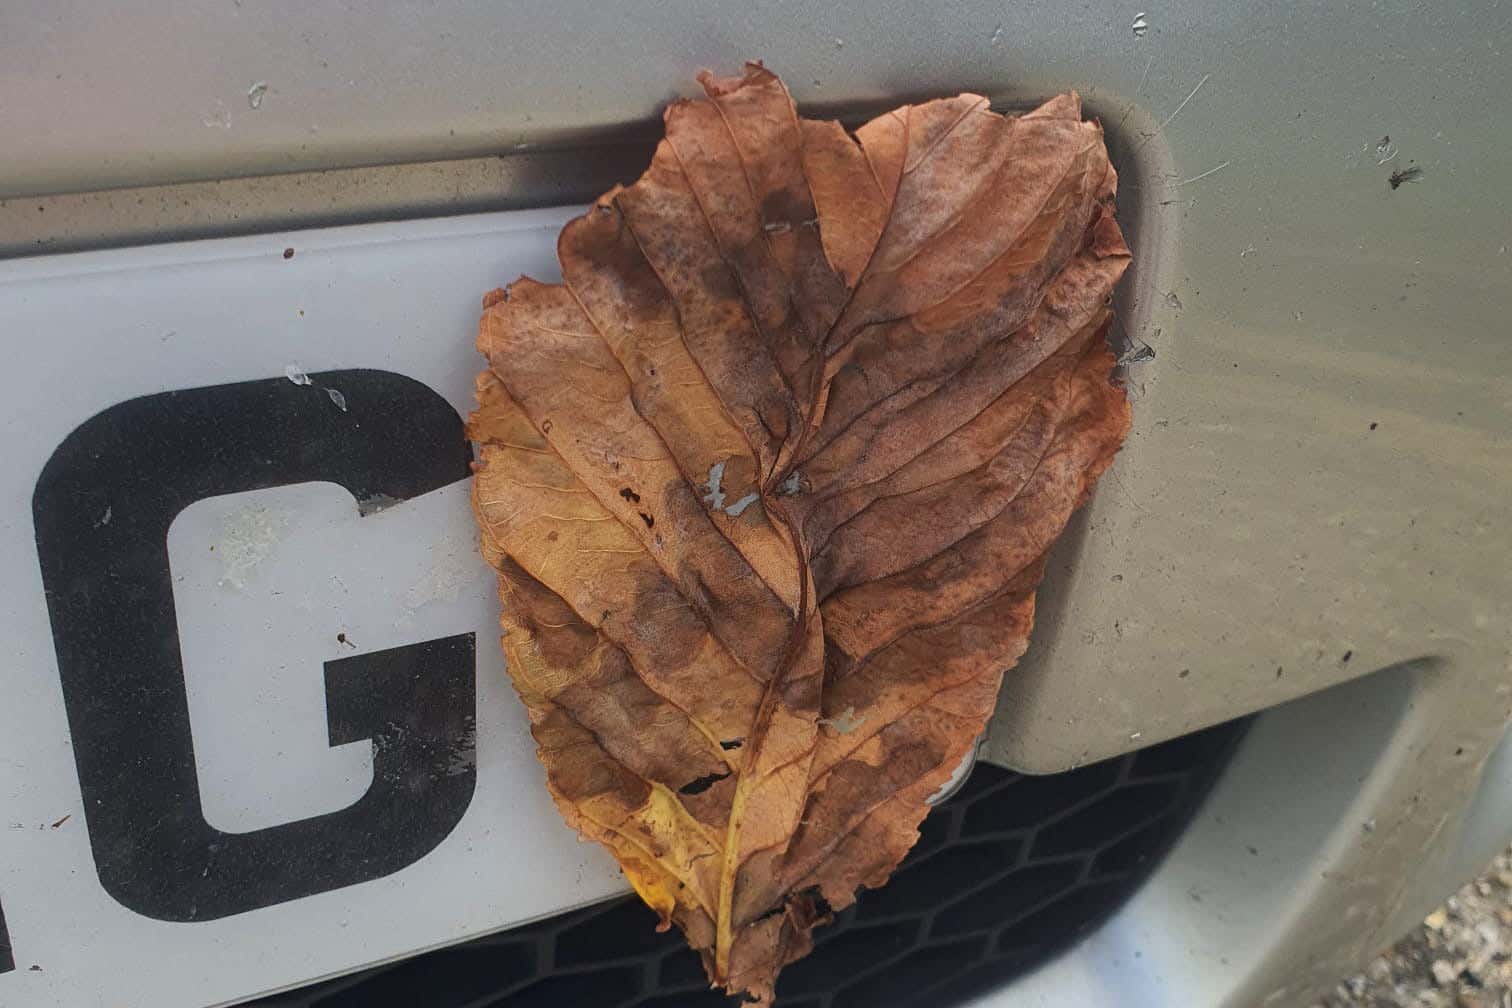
(254, 725)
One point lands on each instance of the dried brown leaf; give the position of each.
(769, 481)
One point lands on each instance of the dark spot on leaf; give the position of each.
(1252, 851)
(702, 784)
(545, 426)
(553, 535)
(647, 519)
(1279, 670)
(1374, 425)
(784, 205)
(1459, 750)
(731, 743)
(1183, 673)
(288, 253)
(1347, 655)
(630, 495)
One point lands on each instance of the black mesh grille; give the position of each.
(1008, 872)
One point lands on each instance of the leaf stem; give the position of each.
(724, 936)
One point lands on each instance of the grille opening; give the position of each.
(1008, 872)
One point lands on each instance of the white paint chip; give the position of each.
(715, 498)
(735, 510)
(845, 723)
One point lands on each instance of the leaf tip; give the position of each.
(753, 73)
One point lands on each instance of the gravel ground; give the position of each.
(1461, 957)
